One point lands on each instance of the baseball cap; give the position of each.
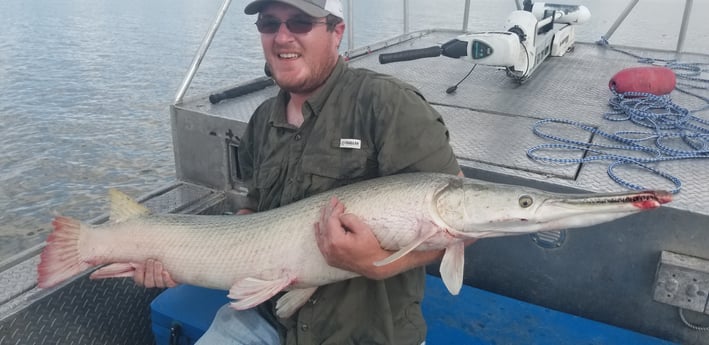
(314, 8)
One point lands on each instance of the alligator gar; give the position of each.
(257, 255)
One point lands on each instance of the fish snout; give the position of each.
(652, 199)
(663, 196)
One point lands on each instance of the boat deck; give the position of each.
(491, 116)
(490, 119)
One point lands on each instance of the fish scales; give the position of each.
(257, 255)
(211, 250)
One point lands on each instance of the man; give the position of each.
(331, 125)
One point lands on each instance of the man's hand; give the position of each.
(152, 275)
(348, 243)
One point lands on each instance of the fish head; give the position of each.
(478, 209)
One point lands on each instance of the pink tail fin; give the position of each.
(60, 259)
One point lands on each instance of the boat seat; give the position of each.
(180, 315)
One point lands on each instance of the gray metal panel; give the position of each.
(17, 280)
(201, 145)
(178, 198)
(485, 137)
(604, 273)
(239, 109)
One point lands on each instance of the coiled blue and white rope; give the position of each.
(664, 121)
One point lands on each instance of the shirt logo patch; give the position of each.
(350, 144)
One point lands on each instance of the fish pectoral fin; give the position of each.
(250, 292)
(117, 270)
(452, 267)
(292, 300)
(426, 231)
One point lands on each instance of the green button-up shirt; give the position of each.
(358, 126)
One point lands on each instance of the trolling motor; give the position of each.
(531, 35)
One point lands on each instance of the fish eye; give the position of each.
(525, 201)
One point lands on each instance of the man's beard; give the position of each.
(317, 78)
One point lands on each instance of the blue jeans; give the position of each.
(232, 327)
(240, 327)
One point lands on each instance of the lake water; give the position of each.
(85, 86)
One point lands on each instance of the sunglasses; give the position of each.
(294, 25)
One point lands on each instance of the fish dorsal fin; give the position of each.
(452, 267)
(124, 207)
(426, 231)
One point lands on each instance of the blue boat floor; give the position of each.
(473, 317)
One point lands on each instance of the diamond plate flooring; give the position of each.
(111, 311)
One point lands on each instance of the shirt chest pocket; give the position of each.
(268, 188)
(338, 167)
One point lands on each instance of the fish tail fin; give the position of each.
(60, 258)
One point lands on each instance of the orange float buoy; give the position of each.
(655, 80)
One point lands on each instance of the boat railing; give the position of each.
(406, 22)
(197, 60)
(206, 42)
(688, 4)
